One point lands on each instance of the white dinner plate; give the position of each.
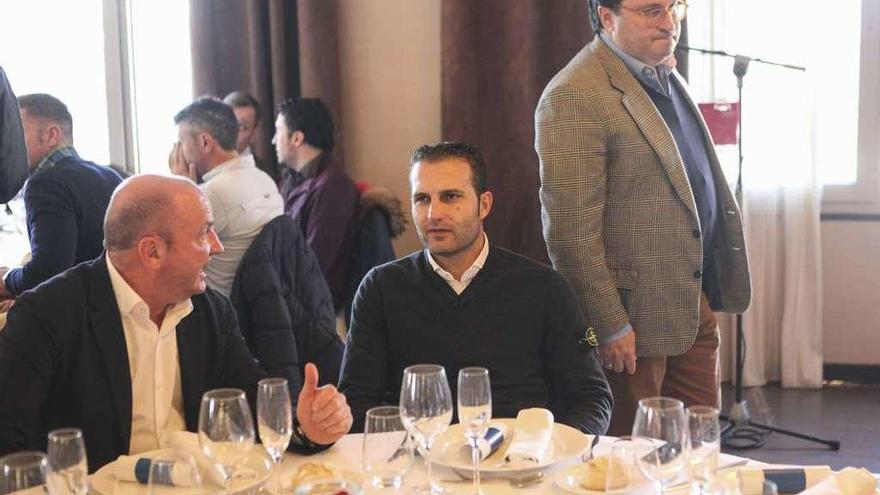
(450, 450)
(256, 470)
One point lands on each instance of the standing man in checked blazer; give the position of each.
(637, 213)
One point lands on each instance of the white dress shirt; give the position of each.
(243, 199)
(156, 396)
(460, 285)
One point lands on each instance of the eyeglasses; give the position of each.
(656, 14)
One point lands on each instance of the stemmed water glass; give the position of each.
(275, 420)
(68, 468)
(21, 471)
(474, 412)
(426, 410)
(661, 441)
(226, 429)
(705, 445)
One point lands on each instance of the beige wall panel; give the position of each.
(390, 69)
(851, 283)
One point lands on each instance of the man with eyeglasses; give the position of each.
(637, 213)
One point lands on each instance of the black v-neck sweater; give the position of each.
(517, 318)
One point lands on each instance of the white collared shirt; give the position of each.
(156, 395)
(243, 200)
(460, 285)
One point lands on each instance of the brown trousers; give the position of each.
(692, 377)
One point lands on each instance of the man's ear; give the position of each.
(297, 138)
(485, 204)
(54, 136)
(206, 141)
(152, 250)
(605, 18)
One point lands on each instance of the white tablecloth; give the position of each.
(346, 455)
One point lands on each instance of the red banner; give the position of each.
(721, 118)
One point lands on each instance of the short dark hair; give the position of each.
(593, 8)
(45, 106)
(455, 149)
(311, 117)
(211, 115)
(243, 99)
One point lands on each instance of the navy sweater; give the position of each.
(65, 208)
(517, 318)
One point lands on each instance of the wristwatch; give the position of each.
(299, 438)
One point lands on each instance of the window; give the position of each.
(162, 77)
(61, 54)
(121, 66)
(823, 121)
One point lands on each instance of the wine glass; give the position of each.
(474, 412)
(21, 471)
(660, 436)
(426, 410)
(705, 445)
(68, 468)
(226, 429)
(387, 455)
(275, 420)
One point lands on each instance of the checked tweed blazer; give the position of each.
(619, 216)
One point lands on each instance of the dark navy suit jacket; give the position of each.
(65, 208)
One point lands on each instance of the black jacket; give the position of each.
(64, 363)
(284, 306)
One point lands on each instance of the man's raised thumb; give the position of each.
(310, 380)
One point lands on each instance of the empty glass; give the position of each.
(275, 420)
(660, 437)
(426, 410)
(618, 475)
(21, 471)
(705, 446)
(387, 453)
(68, 468)
(474, 412)
(226, 429)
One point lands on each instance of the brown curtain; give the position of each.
(273, 49)
(497, 57)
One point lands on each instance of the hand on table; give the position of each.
(620, 355)
(177, 164)
(323, 412)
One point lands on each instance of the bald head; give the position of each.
(144, 205)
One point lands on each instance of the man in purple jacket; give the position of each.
(316, 190)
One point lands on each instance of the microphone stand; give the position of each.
(741, 433)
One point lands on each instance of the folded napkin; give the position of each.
(184, 441)
(788, 480)
(137, 469)
(532, 437)
(488, 443)
(848, 481)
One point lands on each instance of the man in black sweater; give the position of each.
(461, 302)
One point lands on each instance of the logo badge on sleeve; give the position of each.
(590, 339)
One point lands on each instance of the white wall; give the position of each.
(851, 283)
(390, 62)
